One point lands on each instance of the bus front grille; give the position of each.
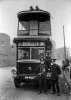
(27, 68)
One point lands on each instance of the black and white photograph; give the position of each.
(35, 49)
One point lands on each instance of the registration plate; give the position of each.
(29, 77)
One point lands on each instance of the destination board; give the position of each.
(31, 44)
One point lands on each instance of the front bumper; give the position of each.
(24, 76)
(27, 76)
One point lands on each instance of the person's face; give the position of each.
(42, 62)
(52, 62)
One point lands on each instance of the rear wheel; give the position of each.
(16, 82)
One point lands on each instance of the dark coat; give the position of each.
(40, 68)
(55, 71)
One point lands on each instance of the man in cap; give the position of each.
(55, 71)
(42, 73)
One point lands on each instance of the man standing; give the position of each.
(55, 71)
(42, 73)
(48, 64)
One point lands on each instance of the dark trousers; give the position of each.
(55, 86)
(48, 84)
(42, 83)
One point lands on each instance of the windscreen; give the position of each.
(23, 53)
(37, 53)
(31, 53)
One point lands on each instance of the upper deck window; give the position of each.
(44, 26)
(23, 25)
(33, 27)
(2, 44)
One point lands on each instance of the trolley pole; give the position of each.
(67, 53)
(64, 43)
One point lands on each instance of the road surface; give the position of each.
(9, 92)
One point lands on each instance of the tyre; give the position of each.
(16, 82)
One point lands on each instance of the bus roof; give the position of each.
(34, 14)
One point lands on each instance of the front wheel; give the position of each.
(16, 82)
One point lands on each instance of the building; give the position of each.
(4, 49)
(12, 54)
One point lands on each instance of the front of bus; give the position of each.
(33, 35)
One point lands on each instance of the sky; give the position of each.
(60, 11)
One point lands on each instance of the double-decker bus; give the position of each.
(33, 41)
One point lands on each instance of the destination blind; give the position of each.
(31, 44)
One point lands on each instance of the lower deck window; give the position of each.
(30, 52)
(23, 53)
(36, 53)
